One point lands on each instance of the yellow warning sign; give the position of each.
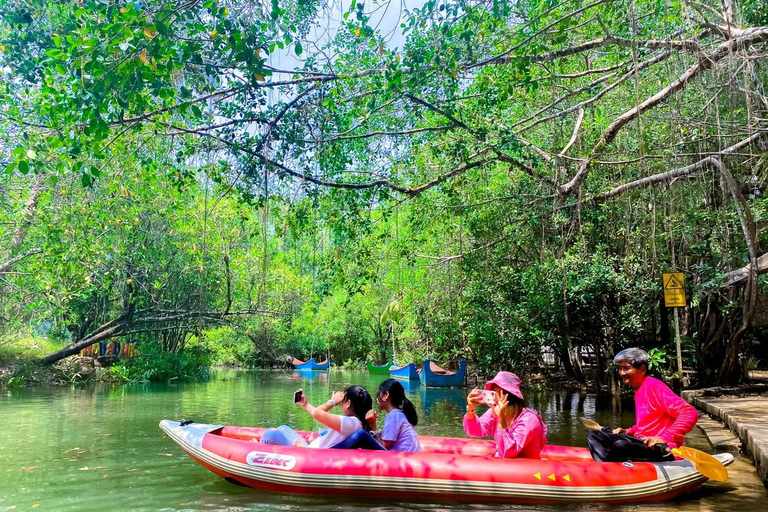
(674, 290)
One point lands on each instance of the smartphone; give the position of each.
(488, 397)
(297, 397)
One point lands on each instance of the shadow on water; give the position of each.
(99, 448)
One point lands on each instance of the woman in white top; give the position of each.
(355, 402)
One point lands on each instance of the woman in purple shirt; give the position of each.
(398, 433)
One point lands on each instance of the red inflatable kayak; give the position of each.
(446, 469)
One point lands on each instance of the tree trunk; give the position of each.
(29, 211)
(720, 329)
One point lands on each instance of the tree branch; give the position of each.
(530, 38)
(5, 267)
(749, 37)
(576, 127)
(682, 171)
(118, 327)
(381, 134)
(655, 60)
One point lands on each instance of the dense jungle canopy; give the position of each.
(487, 179)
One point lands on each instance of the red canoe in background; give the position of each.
(447, 469)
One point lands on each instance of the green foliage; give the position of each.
(228, 346)
(156, 365)
(25, 346)
(405, 200)
(754, 12)
(23, 373)
(657, 359)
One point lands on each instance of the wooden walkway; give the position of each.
(744, 411)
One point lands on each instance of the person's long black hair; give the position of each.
(361, 403)
(397, 395)
(515, 404)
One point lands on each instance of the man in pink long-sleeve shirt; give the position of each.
(663, 418)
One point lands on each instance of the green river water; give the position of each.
(99, 448)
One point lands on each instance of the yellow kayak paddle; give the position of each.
(704, 463)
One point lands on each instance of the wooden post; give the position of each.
(679, 350)
(674, 297)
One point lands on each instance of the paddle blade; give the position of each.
(704, 463)
(591, 425)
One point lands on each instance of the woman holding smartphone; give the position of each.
(517, 430)
(354, 401)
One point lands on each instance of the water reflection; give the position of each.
(311, 375)
(442, 397)
(411, 386)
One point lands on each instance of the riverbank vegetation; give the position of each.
(493, 180)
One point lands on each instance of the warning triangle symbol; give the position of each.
(674, 283)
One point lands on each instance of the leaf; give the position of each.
(150, 32)
(24, 167)
(143, 56)
(298, 48)
(259, 77)
(55, 53)
(31, 154)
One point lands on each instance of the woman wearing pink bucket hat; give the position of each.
(517, 430)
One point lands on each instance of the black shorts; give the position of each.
(606, 446)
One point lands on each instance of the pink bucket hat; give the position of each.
(507, 381)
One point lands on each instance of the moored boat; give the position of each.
(432, 376)
(409, 371)
(447, 469)
(378, 370)
(311, 364)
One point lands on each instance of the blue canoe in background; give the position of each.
(432, 376)
(311, 364)
(408, 372)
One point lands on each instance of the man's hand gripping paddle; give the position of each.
(704, 463)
